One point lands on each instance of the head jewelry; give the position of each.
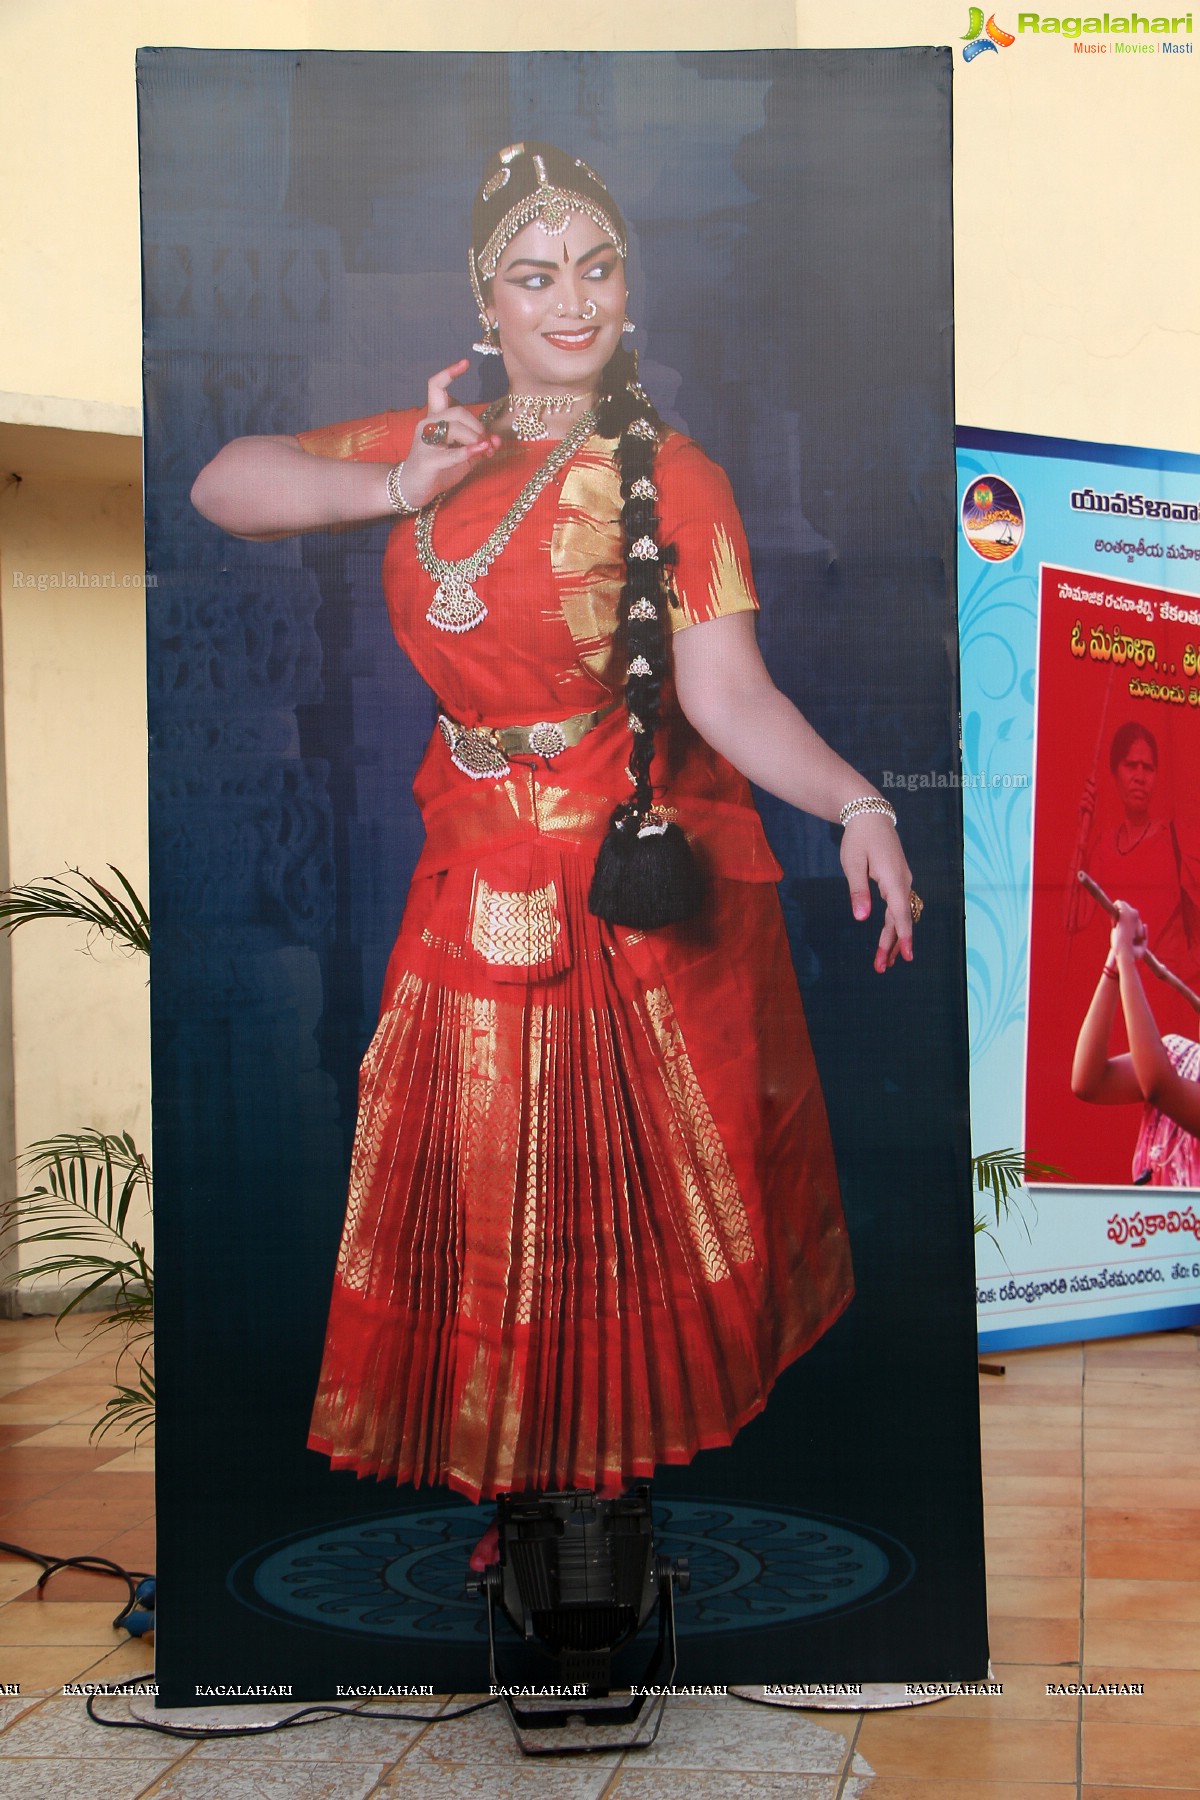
(532, 182)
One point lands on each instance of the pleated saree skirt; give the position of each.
(593, 1207)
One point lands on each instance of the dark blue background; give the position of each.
(305, 220)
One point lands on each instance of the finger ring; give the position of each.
(916, 906)
(435, 431)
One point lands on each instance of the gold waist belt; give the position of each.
(482, 751)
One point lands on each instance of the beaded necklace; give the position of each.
(455, 605)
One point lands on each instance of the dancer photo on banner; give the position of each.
(536, 935)
(562, 1264)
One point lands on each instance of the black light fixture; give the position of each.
(579, 1577)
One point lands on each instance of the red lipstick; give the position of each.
(576, 340)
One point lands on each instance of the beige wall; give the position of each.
(74, 750)
(1076, 273)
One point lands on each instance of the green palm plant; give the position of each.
(119, 917)
(89, 1187)
(86, 1184)
(1000, 1173)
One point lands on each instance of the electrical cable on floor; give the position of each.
(307, 1715)
(137, 1617)
(137, 1614)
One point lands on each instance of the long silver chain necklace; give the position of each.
(455, 605)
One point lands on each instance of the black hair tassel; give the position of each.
(646, 873)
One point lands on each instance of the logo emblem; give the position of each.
(980, 37)
(993, 519)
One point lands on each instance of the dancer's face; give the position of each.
(1137, 773)
(559, 303)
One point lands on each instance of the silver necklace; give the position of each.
(455, 605)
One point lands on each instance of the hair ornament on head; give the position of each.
(539, 183)
(591, 173)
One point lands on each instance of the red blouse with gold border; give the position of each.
(593, 1208)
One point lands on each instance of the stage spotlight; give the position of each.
(579, 1577)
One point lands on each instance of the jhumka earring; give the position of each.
(489, 343)
(627, 326)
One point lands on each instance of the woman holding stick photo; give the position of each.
(593, 1206)
(1163, 1074)
(1142, 854)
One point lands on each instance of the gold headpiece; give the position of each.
(550, 204)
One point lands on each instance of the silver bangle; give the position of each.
(867, 803)
(395, 494)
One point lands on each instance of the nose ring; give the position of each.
(590, 309)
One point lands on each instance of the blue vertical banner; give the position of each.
(1079, 618)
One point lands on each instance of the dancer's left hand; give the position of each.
(872, 851)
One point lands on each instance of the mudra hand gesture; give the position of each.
(447, 443)
(871, 851)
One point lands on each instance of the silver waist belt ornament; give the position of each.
(483, 751)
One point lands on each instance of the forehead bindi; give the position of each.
(533, 246)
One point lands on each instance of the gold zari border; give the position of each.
(716, 1215)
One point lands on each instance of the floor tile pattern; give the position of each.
(1091, 1461)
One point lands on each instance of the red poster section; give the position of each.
(1116, 792)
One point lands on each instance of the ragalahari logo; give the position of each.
(980, 37)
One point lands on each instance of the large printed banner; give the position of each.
(1080, 610)
(594, 1231)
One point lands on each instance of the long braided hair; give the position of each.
(646, 874)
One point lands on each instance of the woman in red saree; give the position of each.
(593, 1207)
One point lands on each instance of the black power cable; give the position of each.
(100, 1565)
(307, 1715)
(140, 1601)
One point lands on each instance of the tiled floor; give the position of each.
(1092, 1473)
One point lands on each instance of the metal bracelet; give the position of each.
(867, 803)
(395, 494)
